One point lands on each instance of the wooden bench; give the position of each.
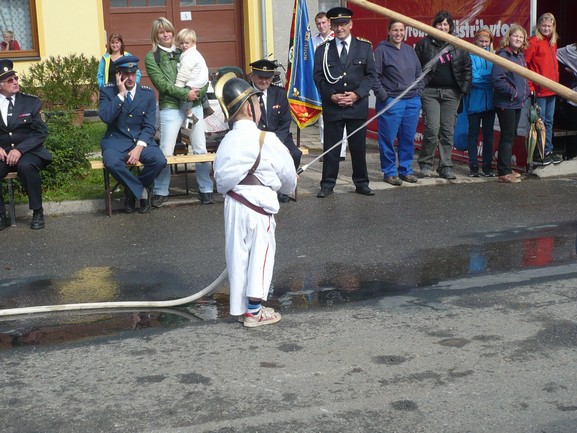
(11, 205)
(170, 161)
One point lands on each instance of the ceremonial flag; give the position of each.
(303, 96)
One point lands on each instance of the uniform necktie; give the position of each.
(344, 53)
(9, 112)
(128, 98)
(262, 110)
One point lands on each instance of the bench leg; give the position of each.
(186, 178)
(11, 202)
(107, 193)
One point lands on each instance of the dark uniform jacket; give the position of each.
(125, 122)
(27, 131)
(429, 48)
(278, 116)
(359, 74)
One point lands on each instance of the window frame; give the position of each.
(34, 53)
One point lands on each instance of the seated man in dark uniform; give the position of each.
(129, 110)
(22, 135)
(276, 116)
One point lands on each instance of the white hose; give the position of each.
(114, 305)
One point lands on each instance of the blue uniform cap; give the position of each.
(127, 64)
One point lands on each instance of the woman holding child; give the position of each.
(162, 67)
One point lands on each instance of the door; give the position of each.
(217, 23)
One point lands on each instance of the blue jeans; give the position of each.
(487, 119)
(171, 121)
(547, 105)
(399, 122)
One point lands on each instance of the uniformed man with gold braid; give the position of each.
(22, 135)
(344, 73)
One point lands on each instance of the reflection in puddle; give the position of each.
(296, 287)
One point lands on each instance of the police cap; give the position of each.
(6, 68)
(339, 15)
(263, 67)
(127, 64)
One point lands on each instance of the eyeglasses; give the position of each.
(11, 80)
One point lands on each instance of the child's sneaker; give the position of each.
(266, 316)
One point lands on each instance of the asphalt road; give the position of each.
(435, 309)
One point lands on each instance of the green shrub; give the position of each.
(65, 83)
(69, 145)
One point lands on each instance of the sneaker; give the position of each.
(206, 197)
(446, 173)
(474, 172)
(542, 162)
(266, 316)
(159, 200)
(557, 159)
(411, 178)
(427, 171)
(393, 180)
(488, 172)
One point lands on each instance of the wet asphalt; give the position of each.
(448, 307)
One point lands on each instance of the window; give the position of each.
(19, 29)
(205, 2)
(136, 3)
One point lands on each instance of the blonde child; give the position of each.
(192, 69)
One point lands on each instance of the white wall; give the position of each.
(282, 19)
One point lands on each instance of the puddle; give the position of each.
(297, 287)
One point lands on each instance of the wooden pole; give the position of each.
(559, 89)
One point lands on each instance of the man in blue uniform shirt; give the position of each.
(129, 110)
(344, 73)
(22, 135)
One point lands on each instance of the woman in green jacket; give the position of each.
(161, 65)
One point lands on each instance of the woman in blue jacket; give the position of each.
(510, 91)
(106, 70)
(478, 105)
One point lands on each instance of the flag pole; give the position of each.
(559, 89)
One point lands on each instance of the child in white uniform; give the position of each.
(251, 166)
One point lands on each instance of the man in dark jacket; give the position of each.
(448, 80)
(129, 110)
(344, 73)
(22, 135)
(276, 116)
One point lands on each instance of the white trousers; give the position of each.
(250, 249)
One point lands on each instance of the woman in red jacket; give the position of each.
(541, 57)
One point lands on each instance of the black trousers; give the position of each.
(508, 122)
(333, 133)
(28, 169)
